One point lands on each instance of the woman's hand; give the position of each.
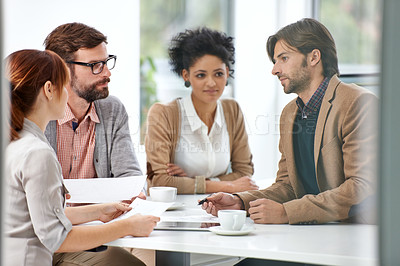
(242, 184)
(141, 225)
(110, 211)
(175, 170)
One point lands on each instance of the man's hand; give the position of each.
(222, 201)
(175, 170)
(265, 211)
(110, 211)
(140, 196)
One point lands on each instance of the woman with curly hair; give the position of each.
(199, 144)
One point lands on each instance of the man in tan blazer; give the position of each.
(328, 138)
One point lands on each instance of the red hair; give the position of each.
(27, 71)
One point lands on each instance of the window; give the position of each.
(159, 21)
(356, 28)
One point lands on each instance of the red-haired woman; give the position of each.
(36, 224)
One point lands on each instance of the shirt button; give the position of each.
(57, 210)
(74, 158)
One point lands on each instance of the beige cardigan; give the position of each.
(163, 131)
(345, 148)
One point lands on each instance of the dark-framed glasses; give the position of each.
(97, 67)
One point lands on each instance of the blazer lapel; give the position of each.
(323, 115)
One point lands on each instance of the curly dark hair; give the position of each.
(188, 46)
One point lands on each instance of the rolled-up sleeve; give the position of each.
(42, 182)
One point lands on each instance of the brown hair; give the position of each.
(306, 35)
(27, 71)
(68, 38)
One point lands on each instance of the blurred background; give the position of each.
(139, 32)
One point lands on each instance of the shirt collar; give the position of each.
(314, 104)
(192, 117)
(34, 129)
(69, 116)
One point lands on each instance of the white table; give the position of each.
(330, 244)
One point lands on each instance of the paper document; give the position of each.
(104, 190)
(139, 206)
(145, 207)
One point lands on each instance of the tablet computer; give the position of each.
(184, 226)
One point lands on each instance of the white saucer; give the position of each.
(244, 231)
(176, 205)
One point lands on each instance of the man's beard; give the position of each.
(300, 81)
(89, 92)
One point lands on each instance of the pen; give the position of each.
(204, 200)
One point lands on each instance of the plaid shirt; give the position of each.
(313, 105)
(75, 144)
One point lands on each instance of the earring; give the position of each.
(187, 83)
(227, 83)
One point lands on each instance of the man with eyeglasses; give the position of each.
(93, 139)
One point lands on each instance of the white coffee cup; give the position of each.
(232, 220)
(164, 194)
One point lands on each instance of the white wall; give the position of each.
(258, 92)
(27, 23)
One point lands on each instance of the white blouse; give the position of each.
(35, 223)
(199, 153)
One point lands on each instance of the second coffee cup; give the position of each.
(232, 220)
(164, 194)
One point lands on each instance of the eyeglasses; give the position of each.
(97, 67)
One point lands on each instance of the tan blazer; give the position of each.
(163, 132)
(344, 153)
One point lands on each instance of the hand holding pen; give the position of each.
(221, 201)
(204, 200)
